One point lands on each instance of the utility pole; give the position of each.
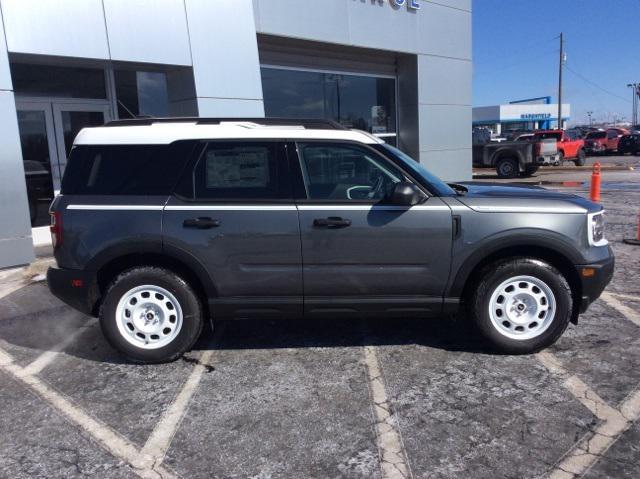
(562, 59)
(634, 97)
(589, 113)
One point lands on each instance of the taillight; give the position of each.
(56, 228)
(538, 149)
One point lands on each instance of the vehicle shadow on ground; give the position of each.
(440, 333)
(26, 332)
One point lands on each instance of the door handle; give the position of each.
(202, 223)
(332, 222)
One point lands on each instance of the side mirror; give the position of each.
(406, 194)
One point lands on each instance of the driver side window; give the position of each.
(344, 172)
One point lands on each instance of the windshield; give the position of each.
(440, 187)
(596, 134)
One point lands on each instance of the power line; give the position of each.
(582, 77)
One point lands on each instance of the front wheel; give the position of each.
(521, 305)
(151, 315)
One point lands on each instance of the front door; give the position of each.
(360, 255)
(234, 213)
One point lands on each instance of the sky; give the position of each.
(516, 53)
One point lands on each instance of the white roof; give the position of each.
(168, 132)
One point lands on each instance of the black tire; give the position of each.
(582, 158)
(560, 158)
(188, 302)
(493, 276)
(507, 168)
(531, 170)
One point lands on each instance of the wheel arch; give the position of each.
(558, 256)
(173, 259)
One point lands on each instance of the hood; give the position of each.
(498, 196)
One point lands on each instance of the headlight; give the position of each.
(595, 229)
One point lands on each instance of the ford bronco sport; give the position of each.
(163, 224)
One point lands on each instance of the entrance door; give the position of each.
(47, 130)
(39, 156)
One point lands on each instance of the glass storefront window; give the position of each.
(61, 82)
(141, 93)
(356, 101)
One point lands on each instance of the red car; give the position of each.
(570, 144)
(603, 142)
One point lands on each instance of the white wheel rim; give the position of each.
(149, 317)
(522, 307)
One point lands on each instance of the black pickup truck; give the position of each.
(512, 158)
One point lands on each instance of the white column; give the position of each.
(15, 235)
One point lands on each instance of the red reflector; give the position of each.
(76, 283)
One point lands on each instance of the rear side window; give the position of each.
(125, 169)
(238, 171)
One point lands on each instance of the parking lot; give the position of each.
(295, 399)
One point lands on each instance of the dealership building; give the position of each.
(400, 69)
(521, 115)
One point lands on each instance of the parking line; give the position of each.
(625, 310)
(162, 435)
(47, 357)
(109, 439)
(393, 458)
(615, 422)
(625, 296)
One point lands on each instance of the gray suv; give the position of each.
(165, 223)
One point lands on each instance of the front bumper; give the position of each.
(593, 286)
(79, 289)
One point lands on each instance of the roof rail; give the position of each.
(307, 123)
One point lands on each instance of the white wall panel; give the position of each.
(448, 165)
(224, 49)
(15, 235)
(444, 127)
(5, 74)
(444, 31)
(324, 20)
(444, 80)
(223, 108)
(73, 28)
(379, 25)
(148, 31)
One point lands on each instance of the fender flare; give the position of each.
(157, 248)
(525, 238)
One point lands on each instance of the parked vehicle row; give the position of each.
(513, 158)
(604, 142)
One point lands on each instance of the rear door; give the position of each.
(233, 212)
(360, 254)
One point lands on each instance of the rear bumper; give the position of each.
(593, 286)
(79, 289)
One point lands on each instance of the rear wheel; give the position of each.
(521, 305)
(507, 168)
(581, 159)
(151, 315)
